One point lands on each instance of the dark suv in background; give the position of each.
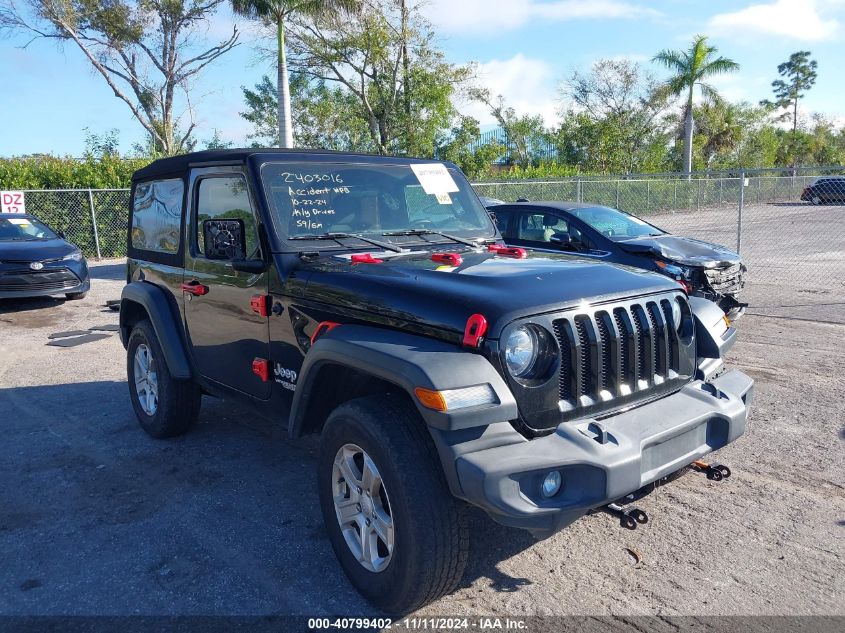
(704, 269)
(370, 299)
(825, 190)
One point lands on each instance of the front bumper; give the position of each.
(641, 446)
(56, 278)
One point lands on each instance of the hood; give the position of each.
(413, 292)
(682, 250)
(35, 250)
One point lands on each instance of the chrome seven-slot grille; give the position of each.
(727, 280)
(617, 351)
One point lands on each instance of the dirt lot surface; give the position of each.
(98, 518)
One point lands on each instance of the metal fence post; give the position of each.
(721, 185)
(94, 223)
(739, 215)
(617, 193)
(698, 197)
(578, 190)
(647, 196)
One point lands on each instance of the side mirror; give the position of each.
(561, 240)
(224, 239)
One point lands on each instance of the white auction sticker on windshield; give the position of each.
(18, 221)
(434, 178)
(443, 198)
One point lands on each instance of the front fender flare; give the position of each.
(407, 361)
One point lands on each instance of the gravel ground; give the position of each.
(97, 518)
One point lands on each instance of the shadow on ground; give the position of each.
(112, 272)
(225, 520)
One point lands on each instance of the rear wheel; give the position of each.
(399, 534)
(164, 406)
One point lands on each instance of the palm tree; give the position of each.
(275, 13)
(691, 68)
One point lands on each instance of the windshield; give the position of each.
(614, 224)
(24, 229)
(309, 199)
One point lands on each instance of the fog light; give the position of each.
(551, 484)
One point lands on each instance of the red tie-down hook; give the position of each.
(452, 259)
(508, 251)
(365, 258)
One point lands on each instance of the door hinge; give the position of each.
(261, 368)
(261, 304)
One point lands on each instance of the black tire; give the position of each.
(178, 400)
(73, 296)
(430, 525)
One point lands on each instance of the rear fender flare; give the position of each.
(165, 320)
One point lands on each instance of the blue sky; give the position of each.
(523, 47)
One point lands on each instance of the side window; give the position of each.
(157, 215)
(540, 227)
(225, 198)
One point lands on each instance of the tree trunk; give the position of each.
(688, 125)
(795, 117)
(285, 126)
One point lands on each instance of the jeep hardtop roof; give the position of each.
(174, 165)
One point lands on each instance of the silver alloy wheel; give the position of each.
(146, 379)
(362, 508)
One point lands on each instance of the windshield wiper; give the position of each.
(340, 236)
(454, 238)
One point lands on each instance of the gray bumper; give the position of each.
(641, 445)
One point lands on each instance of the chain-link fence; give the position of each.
(789, 225)
(93, 219)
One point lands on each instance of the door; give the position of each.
(226, 334)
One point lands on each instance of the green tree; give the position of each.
(147, 51)
(617, 119)
(387, 60)
(524, 134)
(691, 67)
(800, 73)
(276, 14)
(217, 142)
(459, 147)
(326, 117)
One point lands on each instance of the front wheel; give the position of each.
(164, 406)
(399, 534)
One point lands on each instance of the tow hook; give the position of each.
(628, 517)
(715, 472)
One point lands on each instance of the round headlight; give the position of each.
(521, 350)
(676, 314)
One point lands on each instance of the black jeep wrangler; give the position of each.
(371, 300)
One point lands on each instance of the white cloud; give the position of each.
(494, 16)
(526, 84)
(796, 19)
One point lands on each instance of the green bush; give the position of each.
(53, 172)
